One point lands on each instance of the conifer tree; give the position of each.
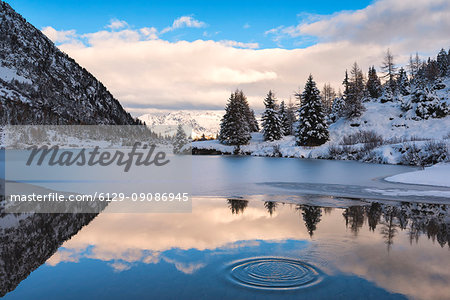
(355, 94)
(373, 85)
(253, 123)
(388, 66)
(272, 127)
(414, 65)
(425, 104)
(403, 82)
(234, 129)
(337, 109)
(311, 216)
(328, 95)
(312, 128)
(248, 113)
(284, 117)
(180, 141)
(291, 111)
(443, 63)
(346, 84)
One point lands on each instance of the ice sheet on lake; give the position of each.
(445, 194)
(437, 175)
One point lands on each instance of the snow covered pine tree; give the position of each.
(284, 118)
(180, 141)
(373, 84)
(249, 114)
(234, 128)
(312, 129)
(272, 127)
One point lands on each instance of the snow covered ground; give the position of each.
(437, 175)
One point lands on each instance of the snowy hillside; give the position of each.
(201, 121)
(39, 84)
(400, 137)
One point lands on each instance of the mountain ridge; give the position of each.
(39, 84)
(205, 122)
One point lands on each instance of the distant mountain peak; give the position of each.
(205, 122)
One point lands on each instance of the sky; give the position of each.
(192, 54)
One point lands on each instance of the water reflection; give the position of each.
(29, 240)
(415, 218)
(237, 206)
(271, 206)
(373, 246)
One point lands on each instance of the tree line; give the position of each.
(414, 88)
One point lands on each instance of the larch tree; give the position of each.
(389, 68)
(355, 94)
(328, 95)
(414, 65)
(312, 127)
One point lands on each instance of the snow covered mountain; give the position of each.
(201, 121)
(39, 84)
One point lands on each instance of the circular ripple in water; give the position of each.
(275, 273)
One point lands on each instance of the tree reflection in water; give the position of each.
(237, 206)
(417, 218)
(311, 216)
(271, 206)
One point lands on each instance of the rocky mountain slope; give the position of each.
(39, 84)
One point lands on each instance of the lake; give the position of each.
(265, 228)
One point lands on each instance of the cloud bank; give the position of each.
(144, 71)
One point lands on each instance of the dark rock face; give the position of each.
(39, 84)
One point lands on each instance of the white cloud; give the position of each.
(116, 24)
(61, 36)
(145, 72)
(410, 24)
(239, 44)
(120, 266)
(149, 32)
(184, 21)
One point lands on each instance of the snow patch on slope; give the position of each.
(7, 74)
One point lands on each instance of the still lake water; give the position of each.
(325, 237)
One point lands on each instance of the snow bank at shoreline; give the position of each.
(397, 153)
(437, 175)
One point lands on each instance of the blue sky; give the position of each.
(243, 21)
